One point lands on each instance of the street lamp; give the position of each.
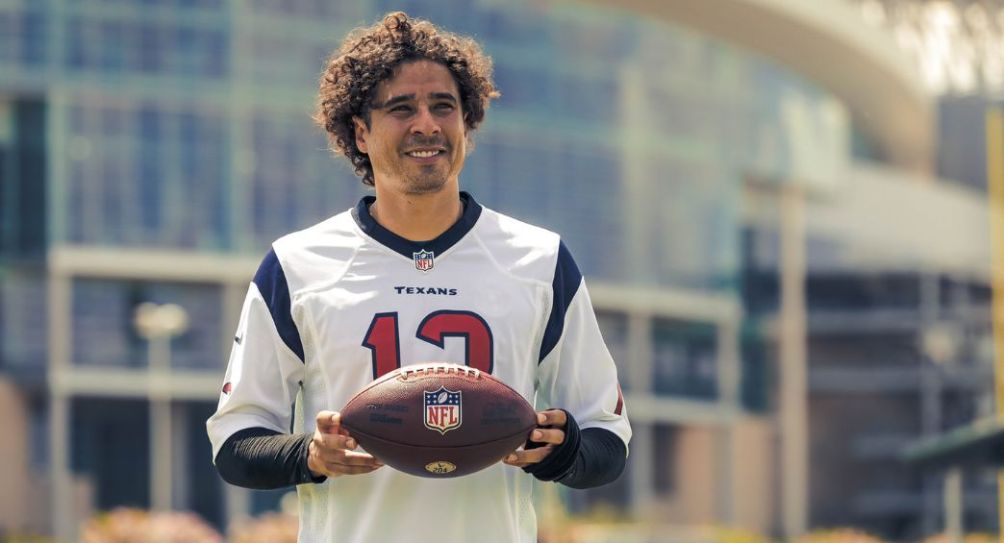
(158, 324)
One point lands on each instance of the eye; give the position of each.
(401, 108)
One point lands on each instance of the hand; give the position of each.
(330, 452)
(550, 431)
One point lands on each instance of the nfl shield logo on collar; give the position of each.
(424, 260)
(443, 410)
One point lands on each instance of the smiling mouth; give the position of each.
(425, 153)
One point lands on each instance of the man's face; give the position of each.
(416, 136)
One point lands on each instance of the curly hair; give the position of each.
(369, 56)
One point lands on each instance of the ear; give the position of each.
(361, 133)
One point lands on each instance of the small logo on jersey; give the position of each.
(440, 467)
(227, 387)
(424, 260)
(443, 410)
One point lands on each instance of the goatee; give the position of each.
(425, 184)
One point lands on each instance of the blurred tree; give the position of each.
(268, 528)
(138, 526)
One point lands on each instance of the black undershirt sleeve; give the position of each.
(588, 458)
(264, 459)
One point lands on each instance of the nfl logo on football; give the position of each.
(424, 260)
(442, 410)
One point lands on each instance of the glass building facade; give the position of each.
(184, 126)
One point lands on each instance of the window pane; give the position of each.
(104, 333)
(684, 358)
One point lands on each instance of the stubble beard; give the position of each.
(427, 181)
(429, 178)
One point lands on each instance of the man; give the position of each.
(336, 305)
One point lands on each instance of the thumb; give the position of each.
(328, 422)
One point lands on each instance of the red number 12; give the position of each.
(382, 338)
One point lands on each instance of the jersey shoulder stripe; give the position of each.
(297, 262)
(565, 284)
(538, 254)
(271, 282)
(522, 249)
(317, 254)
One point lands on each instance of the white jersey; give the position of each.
(340, 303)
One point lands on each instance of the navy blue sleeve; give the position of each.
(263, 459)
(271, 282)
(565, 284)
(588, 458)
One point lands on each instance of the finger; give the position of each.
(332, 442)
(327, 461)
(335, 469)
(328, 422)
(552, 417)
(525, 458)
(552, 436)
(352, 456)
(347, 458)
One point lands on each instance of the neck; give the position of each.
(417, 217)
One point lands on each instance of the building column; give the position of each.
(61, 491)
(64, 522)
(643, 467)
(794, 372)
(729, 397)
(161, 442)
(953, 504)
(181, 491)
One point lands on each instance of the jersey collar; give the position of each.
(407, 248)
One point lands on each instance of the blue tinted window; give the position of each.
(7, 35)
(586, 187)
(75, 197)
(215, 54)
(295, 181)
(113, 46)
(204, 180)
(113, 212)
(110, 443)
(188, 140)
(201, 4)
(23, 320)
(104, 333)
(525, 87)
(75, 43)
(151, 45)
(33, 42)
(519, 171)
(520, 27)
(150, 168)
(684, 359)
(112, 122)
(149, 124)
(587, 98)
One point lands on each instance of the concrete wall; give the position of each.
(14, 468)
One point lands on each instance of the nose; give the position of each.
(425, 122)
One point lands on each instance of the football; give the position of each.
(438, 419)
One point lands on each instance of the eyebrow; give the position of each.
(444, 96)
(408, 97)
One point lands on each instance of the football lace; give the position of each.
(441, 370)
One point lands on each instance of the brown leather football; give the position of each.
(438, 419)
